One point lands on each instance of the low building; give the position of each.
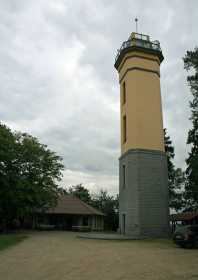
(70, 213)
(186, 218)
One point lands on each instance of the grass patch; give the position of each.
(7, 240)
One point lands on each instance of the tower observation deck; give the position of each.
(141, 43)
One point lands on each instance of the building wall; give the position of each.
(97, 223)
(69, 222)
(144, 199)
(143, 108)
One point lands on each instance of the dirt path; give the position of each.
(60, 256)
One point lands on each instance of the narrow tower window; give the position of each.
(123, 223)
(124, 129)
(124, 175)
(123, 93)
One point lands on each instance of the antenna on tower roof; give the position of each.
(136, 24)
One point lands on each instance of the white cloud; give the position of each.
(95, 182)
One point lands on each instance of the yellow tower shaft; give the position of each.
(140, 101)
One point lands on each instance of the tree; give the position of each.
(109, 206)
(29, 173)
(81, 192)
(8, 174)
(191, 188)
(175, 176)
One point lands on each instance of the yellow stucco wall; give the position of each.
(135, 59)
(143, 108)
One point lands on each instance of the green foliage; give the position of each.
(176, 176)
(191, 188)
(81, 192)
(109, 206)
(169, 149)
(29, 173)
(10, 240)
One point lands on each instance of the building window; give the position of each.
(124, 175)
(123, 93)
(124, 129)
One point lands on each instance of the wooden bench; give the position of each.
(81, 228)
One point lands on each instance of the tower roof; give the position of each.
(141, 43)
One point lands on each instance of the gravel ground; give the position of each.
(60, 255)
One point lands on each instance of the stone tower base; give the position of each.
(143, 201)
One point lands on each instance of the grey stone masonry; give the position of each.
(143, 194)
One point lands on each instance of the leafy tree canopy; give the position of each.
(175, 176)
(81, 192)
(29, 173)
(109, 206)
(191, 188)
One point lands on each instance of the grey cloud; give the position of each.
(59, 84)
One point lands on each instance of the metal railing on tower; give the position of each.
(139, 40)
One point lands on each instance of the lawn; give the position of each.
(61, 255)
(7, 240)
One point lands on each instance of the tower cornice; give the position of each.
(138, 69)
(132, 49)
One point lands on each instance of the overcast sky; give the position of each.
(59, 84)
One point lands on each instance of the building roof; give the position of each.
(67, 204)
(186, 216)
